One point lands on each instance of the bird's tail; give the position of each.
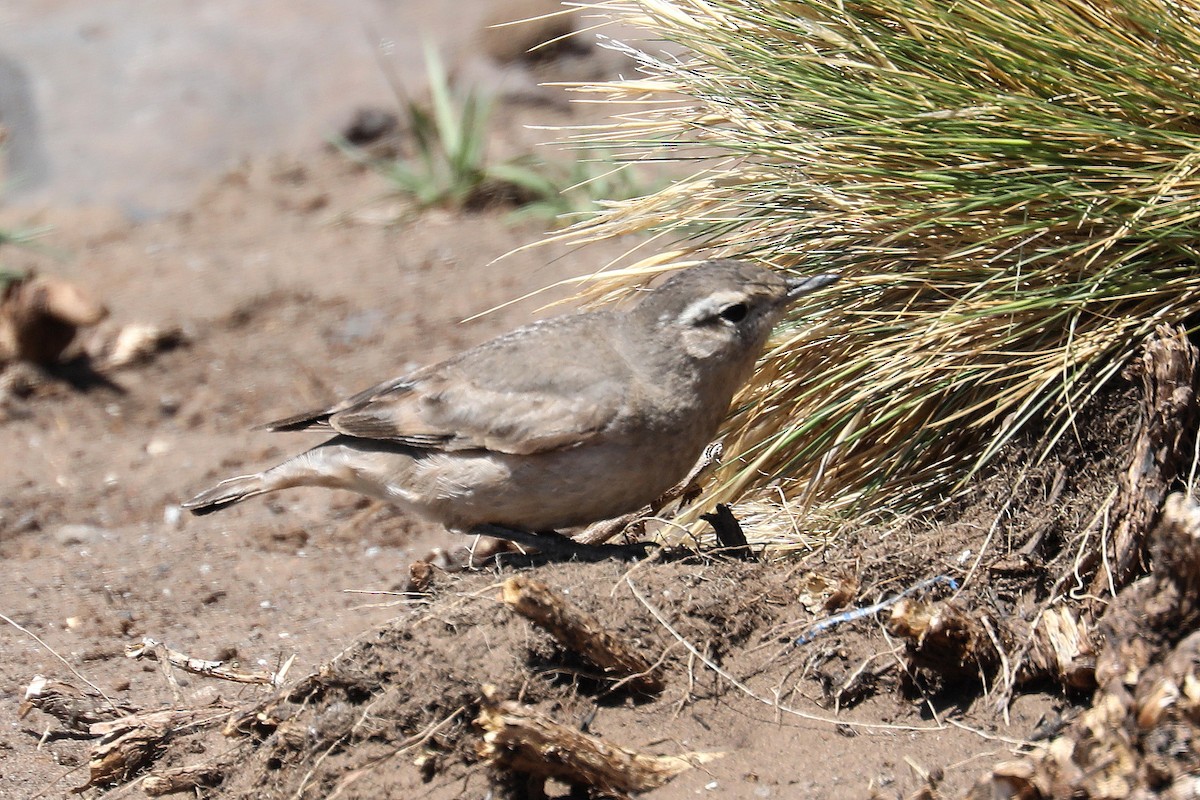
(343, 462)
(226, 493)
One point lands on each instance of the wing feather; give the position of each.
(499, 396)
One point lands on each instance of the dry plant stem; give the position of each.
(190, 778)
(1061, 647)
(580, 632)
(266, 715)
(154, 650)
(130, 744)
(948, 638)
(1161, 448)
(1062, 643)
(1138, 738)
(76, 710)
(520, 739)
(852, 687)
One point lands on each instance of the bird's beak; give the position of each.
(799, 286)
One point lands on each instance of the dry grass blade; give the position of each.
(1009, 188)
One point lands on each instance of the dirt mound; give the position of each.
(394, 714)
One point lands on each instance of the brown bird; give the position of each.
(560, 423)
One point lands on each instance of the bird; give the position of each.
(558, 424)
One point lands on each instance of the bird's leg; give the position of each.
(557, 546)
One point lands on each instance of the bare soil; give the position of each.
(284, 306)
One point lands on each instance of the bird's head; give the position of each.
(723, 311)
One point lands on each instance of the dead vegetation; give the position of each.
(53, 332)
(1139, 738)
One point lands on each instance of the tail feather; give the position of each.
(299, 422)
(226, 493)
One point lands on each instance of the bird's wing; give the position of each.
(547, 386)
(319, 419)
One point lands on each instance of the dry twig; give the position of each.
(130, 744)
(580, 632)
(155, 650)
(520, 739)
(1167, 368)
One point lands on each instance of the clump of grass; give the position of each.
(447, 164)
(1010, 188)
(20, 237)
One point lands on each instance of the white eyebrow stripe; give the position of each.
(708, 307)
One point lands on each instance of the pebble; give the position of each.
(75, 534)
(172, 516)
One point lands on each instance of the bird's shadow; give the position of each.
(638, 551)
(627, 553)
(81, 375)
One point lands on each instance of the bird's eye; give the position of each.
(734, 313)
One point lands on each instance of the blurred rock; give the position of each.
(135, 343)
(76, 534)
(369, 125)
(40, 316)
(531, 31)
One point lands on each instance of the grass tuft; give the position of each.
(446, 163)
(1010, 189)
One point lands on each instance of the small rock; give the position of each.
(370, 125)
(22, 524)
(75, 534)
(138, 342)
